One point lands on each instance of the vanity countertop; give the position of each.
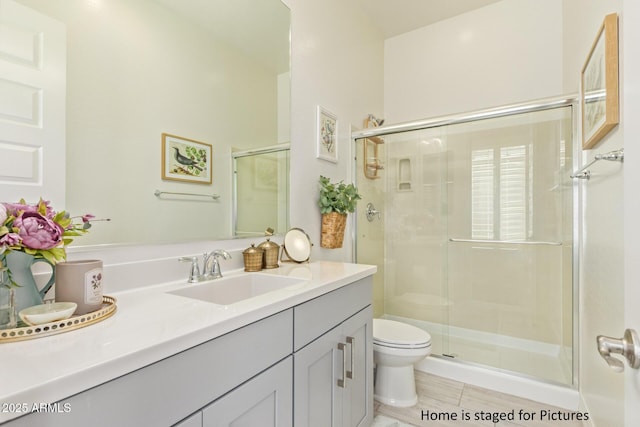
(149, 325)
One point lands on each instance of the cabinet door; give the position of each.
(317, 368)
(264, 401)
(194, 420)
(358, 392)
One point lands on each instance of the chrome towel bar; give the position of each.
(159, 193)
(508, 242)
(613, 156)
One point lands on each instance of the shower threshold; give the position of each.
(527, 358)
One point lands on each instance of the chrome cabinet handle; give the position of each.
(342, 347)
(352, 342)
(628, 346)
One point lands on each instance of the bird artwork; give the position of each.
(192, 160)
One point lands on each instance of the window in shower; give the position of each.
(501, 181)
(482, 185)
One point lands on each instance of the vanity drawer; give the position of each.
(317, 316)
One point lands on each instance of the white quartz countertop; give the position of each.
(149, 325)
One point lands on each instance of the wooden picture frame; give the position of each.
(186, 160)
(327, 135)
(599, 85)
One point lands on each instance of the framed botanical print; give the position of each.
(599, 85)
(327, 135)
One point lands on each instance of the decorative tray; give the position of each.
(27, 332)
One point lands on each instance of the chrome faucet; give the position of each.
(214, 271)
(210, 265)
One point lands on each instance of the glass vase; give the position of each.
(8, 315)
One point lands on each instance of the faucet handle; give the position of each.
(194, 274)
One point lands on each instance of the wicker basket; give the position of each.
(333, 225)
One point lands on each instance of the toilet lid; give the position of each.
(399, 334)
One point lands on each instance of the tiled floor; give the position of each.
(441, 399)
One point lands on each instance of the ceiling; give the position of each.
(400, 16)
(241, 22)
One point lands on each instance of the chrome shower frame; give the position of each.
(571, 100)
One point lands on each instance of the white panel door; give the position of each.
(32, 105)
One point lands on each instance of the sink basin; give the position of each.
(229, 290)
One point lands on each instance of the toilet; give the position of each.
(397, 347)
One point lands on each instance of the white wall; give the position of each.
(506, 52)
(602, 231)
(337, 62)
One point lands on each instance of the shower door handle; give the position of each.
(628, 346)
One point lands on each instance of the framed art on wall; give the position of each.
(599, 85)
(327, 135)
(186, 160)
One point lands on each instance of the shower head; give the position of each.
(376, 122)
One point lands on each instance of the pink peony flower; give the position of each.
(37, 231)
(10, 239)
(15, 208)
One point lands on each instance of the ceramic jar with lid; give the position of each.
(271, 252)
(253, 258)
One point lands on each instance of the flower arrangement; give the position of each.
(38, 230)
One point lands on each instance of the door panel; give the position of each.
(32, 105)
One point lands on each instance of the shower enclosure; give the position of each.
(469, 219)
(260, 190)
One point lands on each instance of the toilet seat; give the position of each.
(389, 333)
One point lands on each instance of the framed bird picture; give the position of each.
(184, 159)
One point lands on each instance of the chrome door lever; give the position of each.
(628, 346)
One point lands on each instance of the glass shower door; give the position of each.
(510, 243)
(408, 242)
(475, 239)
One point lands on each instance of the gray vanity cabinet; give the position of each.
(194, 420)
(265, 401)
(333, 370)
(280, 371)
(165, 392)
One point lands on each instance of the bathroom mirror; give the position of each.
(215, 72)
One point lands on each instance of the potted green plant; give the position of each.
(336, 201)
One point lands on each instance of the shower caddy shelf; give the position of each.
(372, 164)
(613, 156)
